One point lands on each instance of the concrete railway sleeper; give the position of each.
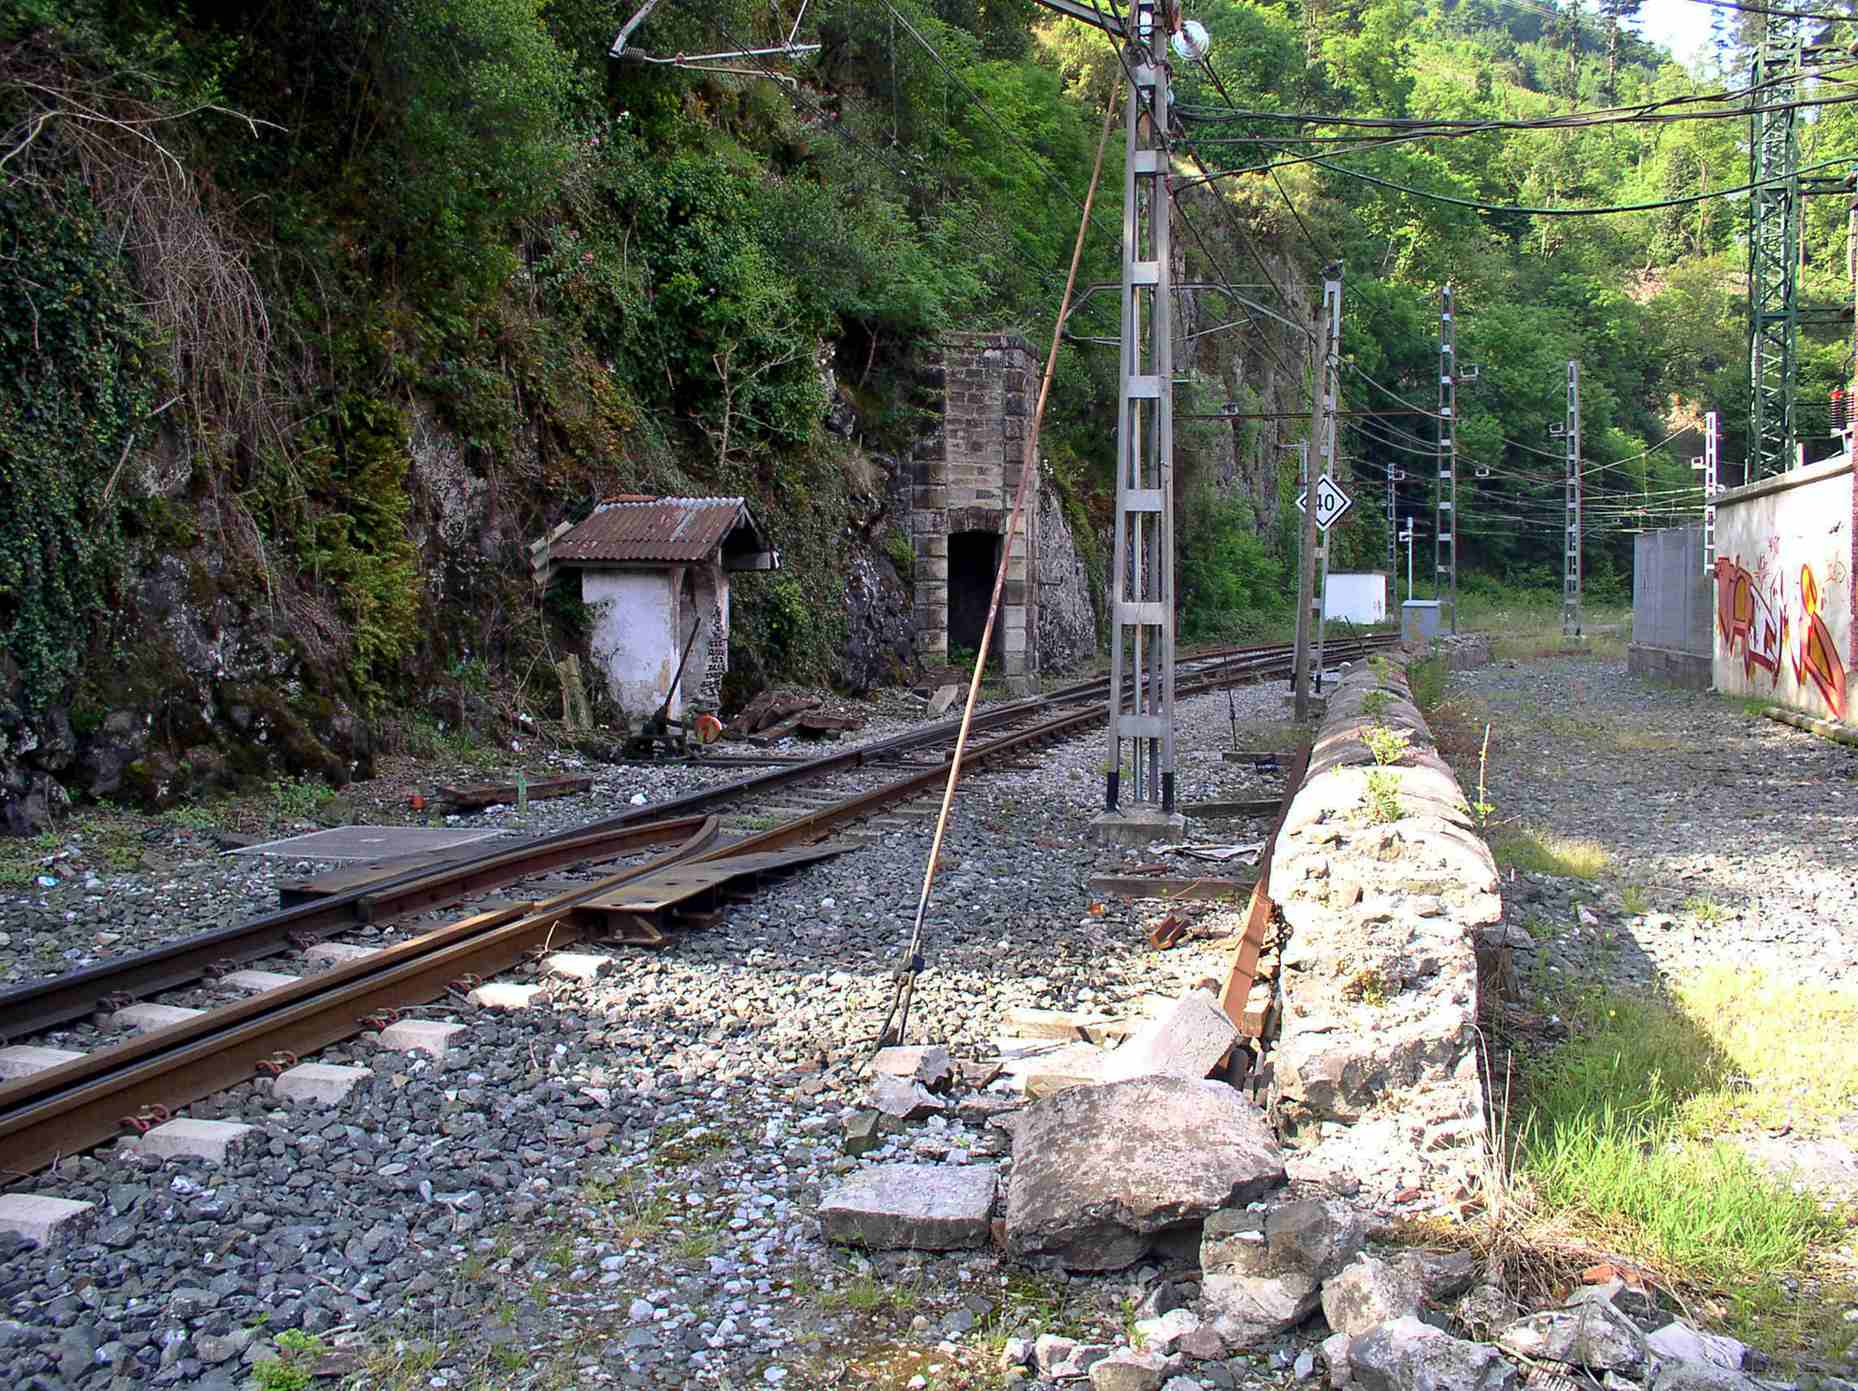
(185, 1055)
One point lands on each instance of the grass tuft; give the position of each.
(1543, 852)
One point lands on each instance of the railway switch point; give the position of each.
(504, 995)
(40, 1220)
(185, 1138)
(420, 1036)
(1136, 826)
(144, 1017)
(24, 1059)
(318, 1084)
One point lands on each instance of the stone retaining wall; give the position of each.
(1376, 1073)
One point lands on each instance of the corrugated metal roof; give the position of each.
(666, 528)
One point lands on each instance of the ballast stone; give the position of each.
(1099, 1171)
(923, 1207)
(41, 1220)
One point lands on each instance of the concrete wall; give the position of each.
(1784, 590)
(965, 472)
(1673, 601)
(641, 620)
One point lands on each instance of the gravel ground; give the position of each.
(618, 1189)
(1737, 831)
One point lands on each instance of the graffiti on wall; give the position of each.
(1817, 656)
(1749, 619)
(1755, 619)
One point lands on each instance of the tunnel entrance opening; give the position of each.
(973, 561)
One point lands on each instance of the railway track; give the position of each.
(719, 840)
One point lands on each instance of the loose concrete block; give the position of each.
(192, 1139)
(419, 1036)
(577, 965)
(924, 1207)
(24, 1059)
(319, 1084)
(257, 982)
(505, 995)
(941, 700)
(144, 1017)
(1188, 1040)
(337, 953)
(40, 1220)
(926, 1063)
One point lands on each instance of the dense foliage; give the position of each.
(323, 227)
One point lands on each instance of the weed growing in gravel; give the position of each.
(686, 1142)
(1383, 797)
(1388, 746)
(1368, 986)
(1707, 911)
(298, 799)
(291, 1371)
(1426, 680)
(695, 1245)
(1543, 852)
(1634, 899)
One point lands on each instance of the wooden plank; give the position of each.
(1279, 760)
(1168, 886)
(1065, 1024)
(505, 793)
(1236, 993)
(1263, 806)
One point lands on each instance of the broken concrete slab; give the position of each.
(925, 1063)
(1041, 1068)
(1405, 1354)
(1262, 1273)
(1370, 1292)
(903, 1100)
(1677, 1341)
(940, 700)
(1099, 1171)
(923, 1207)
(1186, 1040)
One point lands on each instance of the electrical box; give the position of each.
(1419, 620)
(1356, 598)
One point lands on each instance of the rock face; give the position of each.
(1407, 1355)
(1099, 1171)
(1262, 1273)
(925, 1207)
(1067, 634)
(879, 638)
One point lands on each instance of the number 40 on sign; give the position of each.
(1331, 502)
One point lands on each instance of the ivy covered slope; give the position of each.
(317, 313)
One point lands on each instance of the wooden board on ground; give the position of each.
(1205, 887)
(689, 889)
(505, 793)
(1066, 1025)
(1263, 806)
(1270, 759)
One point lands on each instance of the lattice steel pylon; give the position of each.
(1142, 564)
(1571, 557)
(1773, 249)
(1445, 535)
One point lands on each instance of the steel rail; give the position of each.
(75, 1105)
(38, 1006)
(82, 1103)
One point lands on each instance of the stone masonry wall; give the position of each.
(965, 474)
(1376, 1070)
